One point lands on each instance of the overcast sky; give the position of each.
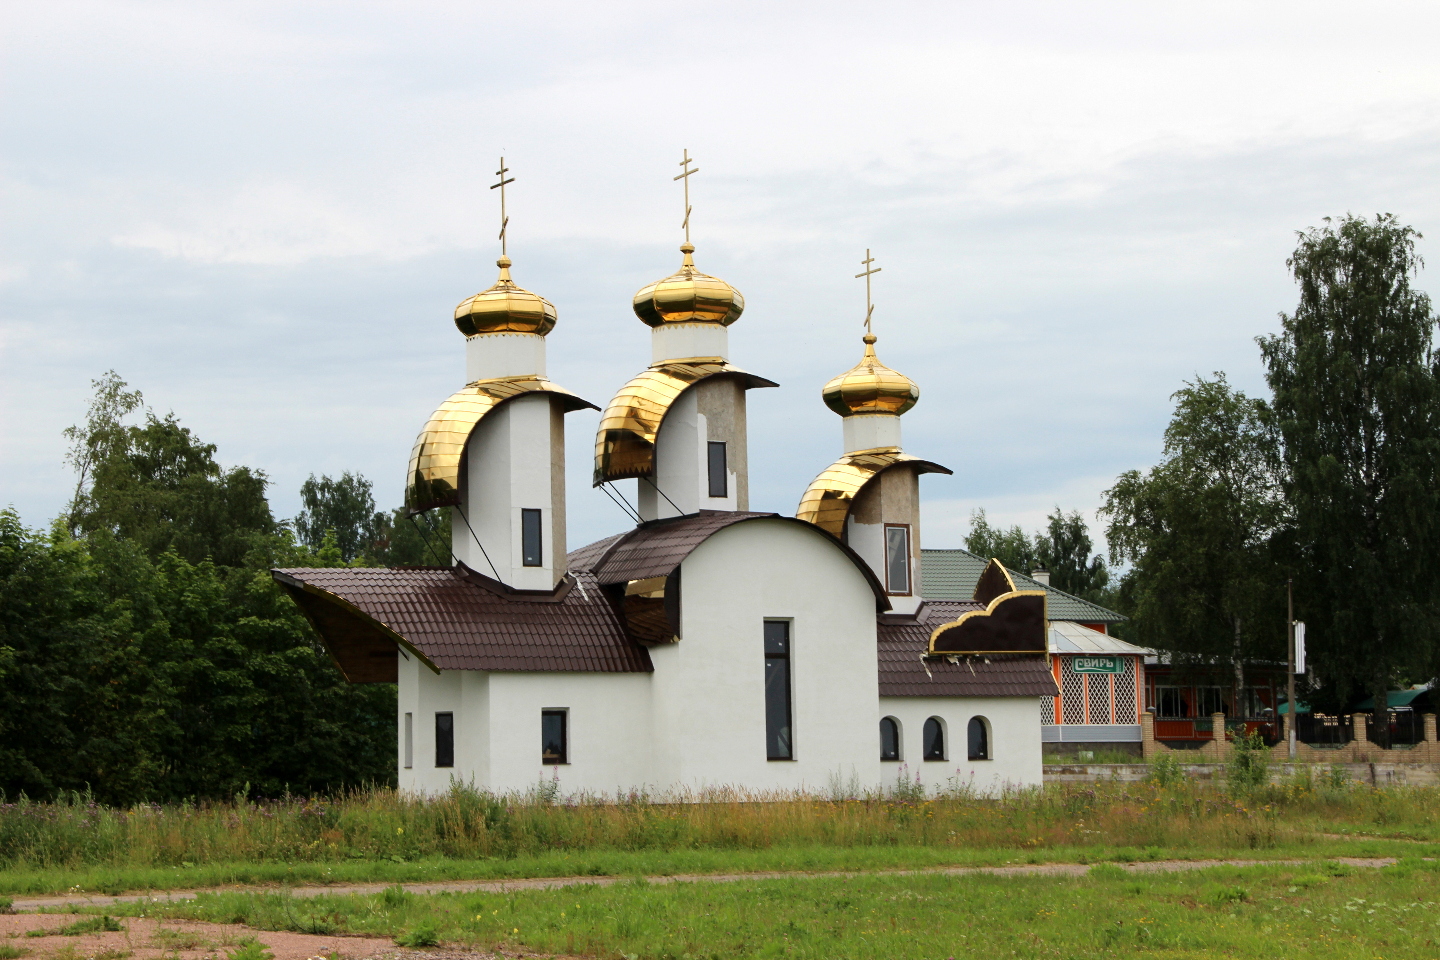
(263, 215)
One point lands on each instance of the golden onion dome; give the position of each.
(689, 296)
(870, 387)
(505, 308)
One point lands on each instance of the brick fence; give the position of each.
(1358, 750)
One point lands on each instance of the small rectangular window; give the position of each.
(554, 738)
(409, 741)
(897, 558)
(778, 741)
(531, 554)
(444, 739)
(719, 480)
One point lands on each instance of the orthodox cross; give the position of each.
(685, 165)
(504, 220)
(869, 272)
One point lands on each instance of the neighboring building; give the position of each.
(709, 644)
(1100, 678)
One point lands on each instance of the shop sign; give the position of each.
(1098, 665)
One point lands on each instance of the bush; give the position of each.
(1165, 770)
(1249, 764)
(250, 949)
(422, 936)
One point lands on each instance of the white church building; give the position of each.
(707, 646)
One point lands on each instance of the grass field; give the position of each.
(387, 837)
(1319, 911)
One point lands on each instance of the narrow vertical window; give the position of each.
(444, 739)
(778, 745)
(554, 737)
(979, 738)
(889, 739)
(531, 554)
(719, 481)
(408, 741)
(897, 558)
(934, 739)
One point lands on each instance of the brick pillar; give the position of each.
(1217, 732)
(1431, 746)
(1149, 748)
(1357, 721)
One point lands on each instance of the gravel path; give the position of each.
(555, 883)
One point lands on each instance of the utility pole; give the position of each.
(1291, 714)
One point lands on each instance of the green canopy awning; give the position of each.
(1300, 708)
(1393, 699)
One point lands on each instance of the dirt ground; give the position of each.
(146, 939)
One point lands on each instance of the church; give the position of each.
(707, 646)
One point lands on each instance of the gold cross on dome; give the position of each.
(504, 220)
(685, 165)
(869, 272)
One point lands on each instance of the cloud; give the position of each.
(264, 214)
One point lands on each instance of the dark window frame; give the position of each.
(563, 757)
(934, 748)
(532, 537)
(894, 753)
(444, 739)
(889, 562)
(983, 752)
(779, 693)
(407, 745)
(717, 467)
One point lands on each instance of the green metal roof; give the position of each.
(952, 575)
(1393, 698)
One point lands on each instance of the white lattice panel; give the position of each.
(1125, 711)
(1099, 684)
(1072, 693)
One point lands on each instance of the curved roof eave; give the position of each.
(625, 440)
(828, 499)
(434, 476)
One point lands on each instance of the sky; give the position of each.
(262, 216)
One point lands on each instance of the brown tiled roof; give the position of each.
(902, 640)
(456, 623)
(656, 548)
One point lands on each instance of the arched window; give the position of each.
(889, 739)
(934, 739)
(978, 733)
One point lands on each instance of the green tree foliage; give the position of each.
(135, 665)
(419, 541)
(1063, 548)
(1012, 547)
(345, 506)
(1199, 530)
(157, 485)
(1357, 401)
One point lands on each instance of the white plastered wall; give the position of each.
(709, 727)
(497, 729)
(871, 431)
(713, 409)
(686, 341)
(1014, 742)
(893, 496)
(511, 463)
(492, 355)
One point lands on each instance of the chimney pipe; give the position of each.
(1040, 575)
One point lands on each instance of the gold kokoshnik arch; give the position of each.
(434, 478)
(1013, 621)
(625, 442)
(830, 496)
